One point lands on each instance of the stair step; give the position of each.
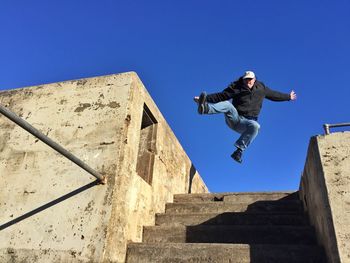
(225, 253)
(291, 206)
(236, 197)
(229, 218)
(230, 234)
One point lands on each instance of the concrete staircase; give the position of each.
(229, 227)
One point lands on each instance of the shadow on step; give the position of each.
(274, 230)
(261, 222)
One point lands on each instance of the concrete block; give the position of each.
(51, 210)
(325, 191)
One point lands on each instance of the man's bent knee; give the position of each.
(255, 126)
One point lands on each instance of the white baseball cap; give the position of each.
(249, 75)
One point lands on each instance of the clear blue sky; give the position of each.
(179, 48)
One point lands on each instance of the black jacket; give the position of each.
(248, 102)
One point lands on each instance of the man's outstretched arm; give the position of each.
(279, 96)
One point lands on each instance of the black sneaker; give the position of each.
(237, 155)
(202, 107)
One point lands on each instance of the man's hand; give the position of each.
(293, 95)
(196, 99)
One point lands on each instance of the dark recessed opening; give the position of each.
(147, 145)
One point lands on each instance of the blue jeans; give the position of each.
(247, 128)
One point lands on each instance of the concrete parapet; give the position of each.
(325, 191)
(53, 211)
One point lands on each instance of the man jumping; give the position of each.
(247, 94)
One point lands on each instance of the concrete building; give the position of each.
(51, 209)
(54, 211)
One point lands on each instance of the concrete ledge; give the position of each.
(325, 192)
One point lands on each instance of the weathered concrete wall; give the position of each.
(51, 210)
(171, 174)
(325, 191)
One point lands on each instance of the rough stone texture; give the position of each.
(52, 210)
(325, 191)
